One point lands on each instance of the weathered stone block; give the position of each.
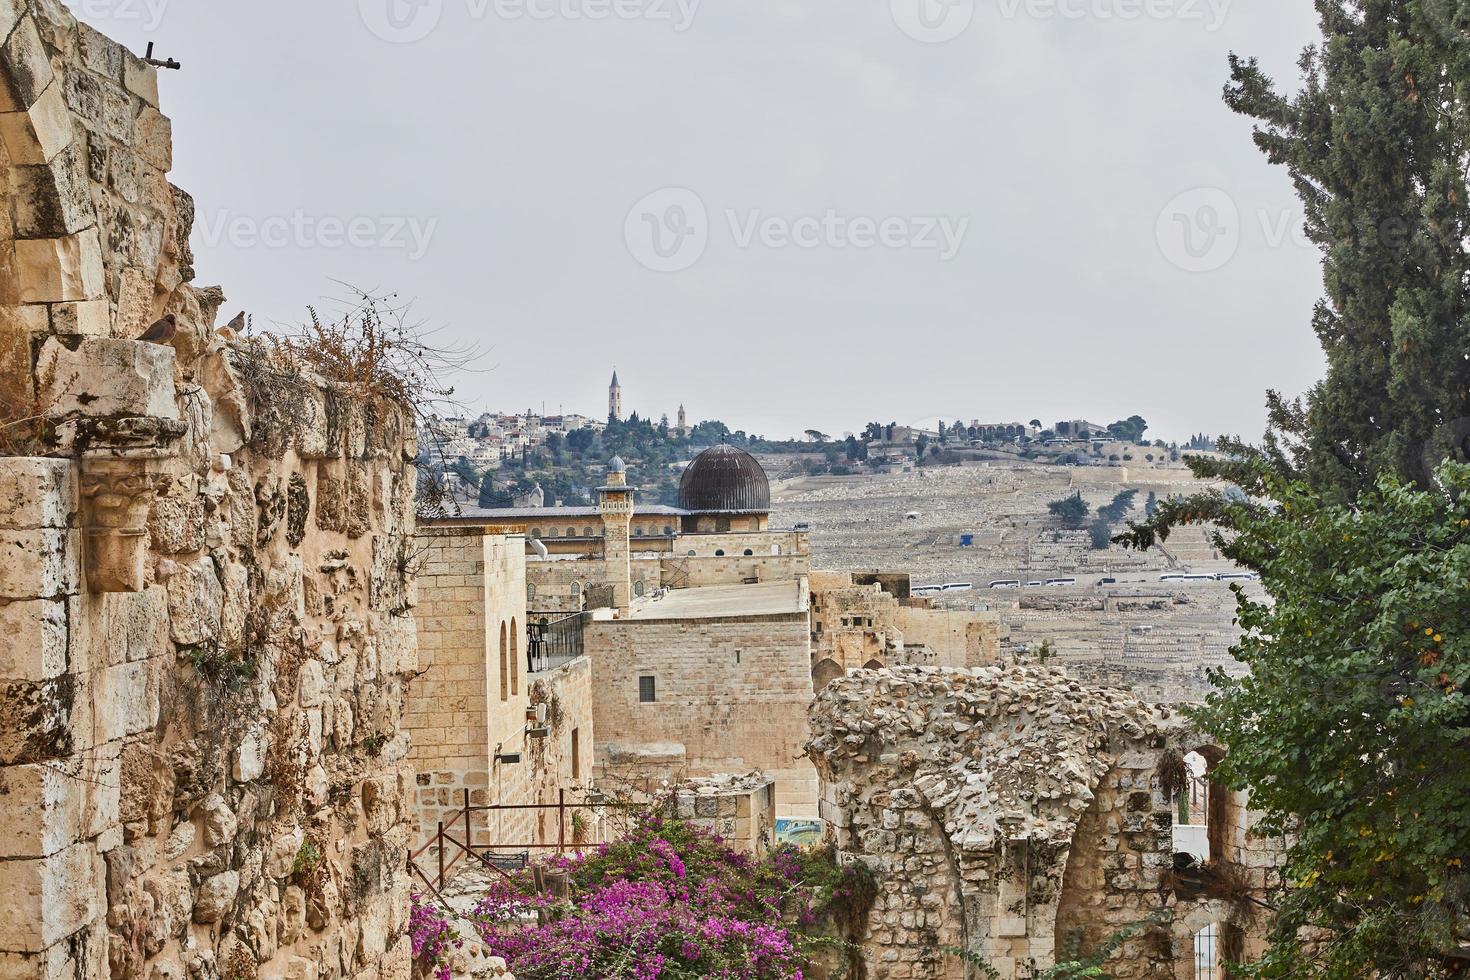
(215, 897)
(35, 639)
(36, 492)
(195, 604)
(40, 563)
(53, 199)
(58, 270)
(100, 377)
(26, 62)
(48, 899)
(89, 318)
(141, 79)
(35, 137)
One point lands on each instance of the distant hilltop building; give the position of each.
(615, 398)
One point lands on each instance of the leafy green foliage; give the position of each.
(1352, 729)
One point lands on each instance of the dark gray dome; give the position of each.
(725, 480)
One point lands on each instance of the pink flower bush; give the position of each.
(667, 902)
(432, 936)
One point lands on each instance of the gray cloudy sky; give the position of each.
(784, 214)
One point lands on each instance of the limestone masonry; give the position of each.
(204, 595)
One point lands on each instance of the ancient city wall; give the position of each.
(732, 694)
(1003, 808)
(203, 587)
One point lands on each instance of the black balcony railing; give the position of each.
(551, 644)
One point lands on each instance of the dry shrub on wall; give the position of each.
(374, 352)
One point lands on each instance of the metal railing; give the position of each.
(550, 645)
(501, 857)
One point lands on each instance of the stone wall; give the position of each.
(476, 695)
(203, 579)
(857, 626)
(732, 695)
(1004, 808)
(739, 809)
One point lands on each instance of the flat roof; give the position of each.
(725, 601)
(555, 513)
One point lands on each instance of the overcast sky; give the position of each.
(784, 214)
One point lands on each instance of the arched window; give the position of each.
(668, 530)
(504, 665)
(691, 554)
(571, 532)
(530, 592)
(638, 588)
(515, 657)
(587, 532)
(535, 532)
(720, 553)
(637, 532)
(749, 553)
(576, 587)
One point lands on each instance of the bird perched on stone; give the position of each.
(162, 332)
(237, 324)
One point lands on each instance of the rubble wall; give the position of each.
(204, 584)
(1005, 808)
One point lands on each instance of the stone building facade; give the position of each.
(203, 586)
(870, 620)
(474, 705)
(698, 690)
(1008, 807)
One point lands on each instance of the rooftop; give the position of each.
(724, 601)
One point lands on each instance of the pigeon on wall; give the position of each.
(162, 331)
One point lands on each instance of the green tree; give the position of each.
(1377, 142)
(1072, 510)
(1352, 730)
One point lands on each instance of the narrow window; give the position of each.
(647, 691)
(504, 666)
(576, 753)
(737, 656)
(515, 656)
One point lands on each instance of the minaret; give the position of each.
(615, 399)
(615, 500)
(683, 422)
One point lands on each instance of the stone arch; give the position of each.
(825, 673)
(874, 664)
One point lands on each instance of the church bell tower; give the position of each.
(615, 399)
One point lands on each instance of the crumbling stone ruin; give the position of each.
(1006, 807)
(204, 587)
